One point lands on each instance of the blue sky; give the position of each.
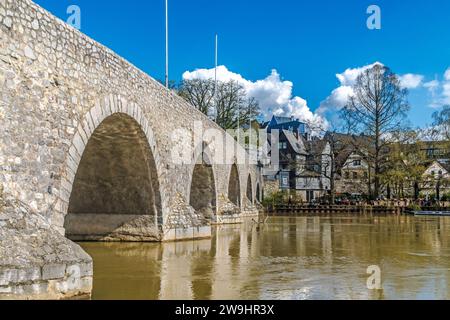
(307, 42)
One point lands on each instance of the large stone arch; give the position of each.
(202, 192)
(234, 186)
(113, 154)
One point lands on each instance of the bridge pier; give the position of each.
(37, 261)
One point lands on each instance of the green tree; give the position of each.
(406, 164)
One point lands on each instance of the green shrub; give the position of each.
(276, 198)
(414, 207)
(446, 197)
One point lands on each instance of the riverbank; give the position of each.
(312, 210)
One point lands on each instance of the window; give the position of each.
(366, 176)
(357, 163)
(355, 175)
(347, 175)
(283, 145)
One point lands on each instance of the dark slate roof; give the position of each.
(309, 174)
(296, 144)
(285, 123)
(282, 120)
(316, 147)
(445, 165)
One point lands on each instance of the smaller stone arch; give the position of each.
(250, 189)
(234, 186)
(258, 192)
(203, 186)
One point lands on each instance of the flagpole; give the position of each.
(215, 77)
(167, 43)
(216, 59)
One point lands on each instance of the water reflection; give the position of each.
(289, 258)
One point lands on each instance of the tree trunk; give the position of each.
(438, 190)
(332, 191)
(416, 191)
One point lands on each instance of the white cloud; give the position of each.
(274, 95)
(223, 74)
(439, 90)
(339, 96)
(411, 81)
(349, 76)
(447, 74)
(431, 85)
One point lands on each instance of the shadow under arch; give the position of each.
(258, 192)
(203, 190)
(250, 189)
(234, 186)
(115, 193)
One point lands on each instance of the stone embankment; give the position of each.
(37, 261)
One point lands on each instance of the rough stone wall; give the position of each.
(37, 262)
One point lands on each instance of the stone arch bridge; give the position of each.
(91, 148)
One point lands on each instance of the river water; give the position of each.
(288, 258)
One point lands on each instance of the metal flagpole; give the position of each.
(167, 44)
(215, 78)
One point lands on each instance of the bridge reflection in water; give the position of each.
(289, 258)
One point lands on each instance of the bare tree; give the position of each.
(441, 125)
(199, 93)
(228, 101)
(377, 108)
(329, 162)
(233, 106)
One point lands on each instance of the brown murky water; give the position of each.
(289, 258)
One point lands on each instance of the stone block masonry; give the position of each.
(86, 136)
